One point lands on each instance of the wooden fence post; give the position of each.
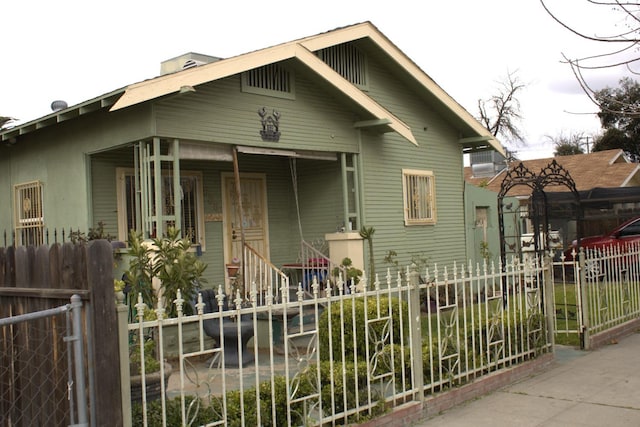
(123, 347)
(108, 401)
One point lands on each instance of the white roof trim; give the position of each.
(302, 49)
(335, 79)
(628, 179)
(616, 156)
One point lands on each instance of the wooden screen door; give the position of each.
(254, 218)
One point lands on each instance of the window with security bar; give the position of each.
(190, 199)
(29, 217)
(419, 197)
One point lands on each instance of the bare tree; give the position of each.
(621, 41)
(501, 114)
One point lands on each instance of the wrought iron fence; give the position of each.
(596, 290)
(343, 353)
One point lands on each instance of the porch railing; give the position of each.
(314, 264)
(260, 278)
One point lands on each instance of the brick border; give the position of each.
(404, 415)
(606, 337)
(438, 403)
(407, 414)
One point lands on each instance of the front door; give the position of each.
(253, 219)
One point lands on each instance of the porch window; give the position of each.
(418, 188)
(271, 80)
(348, 61)
(190, 198)
(28, 213)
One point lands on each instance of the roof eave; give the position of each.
(9, 135)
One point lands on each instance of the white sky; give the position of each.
(77, 50)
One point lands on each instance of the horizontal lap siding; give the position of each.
(220, 112)
(385, 156)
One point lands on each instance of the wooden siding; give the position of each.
(220, 112)
(383, 159)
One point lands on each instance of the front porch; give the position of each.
(225, 198)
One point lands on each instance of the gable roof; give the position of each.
(472, 134)
(604, 169)
(302, 51)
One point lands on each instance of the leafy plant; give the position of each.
(151, 363)
(352, 274)
(335, 325)
(139, 275)
(93, 234)
(367, 234)
(484, 251)
(202, 416)
(178, 270)
(169, 260)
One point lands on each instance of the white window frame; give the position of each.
(419, 197)
(123, 173)
(29, 213)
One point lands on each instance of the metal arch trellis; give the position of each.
(552, 174)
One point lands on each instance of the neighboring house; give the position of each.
(327, 133)
(483, 232)
(607, 183)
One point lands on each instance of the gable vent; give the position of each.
(348, 61)
(270, 77)
(190, 63)
(272, 80)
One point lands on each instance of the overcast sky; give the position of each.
(78, 50)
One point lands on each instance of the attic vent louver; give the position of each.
(190, 63)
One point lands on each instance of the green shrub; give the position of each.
(203, 415)
(474, 345)
(345, 325)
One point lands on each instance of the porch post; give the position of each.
(177, 188)
(345, 191)
(236, 176)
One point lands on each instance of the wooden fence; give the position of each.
(39, 278)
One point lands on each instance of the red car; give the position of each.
(624, 234)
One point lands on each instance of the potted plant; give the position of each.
(351, 274)
(158, 269)
(170, 261)
(233, 267)
(152, 372)
(178, 269)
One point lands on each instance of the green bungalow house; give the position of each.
(310, 140)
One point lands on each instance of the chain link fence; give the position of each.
(42, 373)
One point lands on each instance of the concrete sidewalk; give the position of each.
(596, 388)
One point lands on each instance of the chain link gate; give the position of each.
(42, 374)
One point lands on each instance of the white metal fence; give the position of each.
(596, 290)
(340, 353)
